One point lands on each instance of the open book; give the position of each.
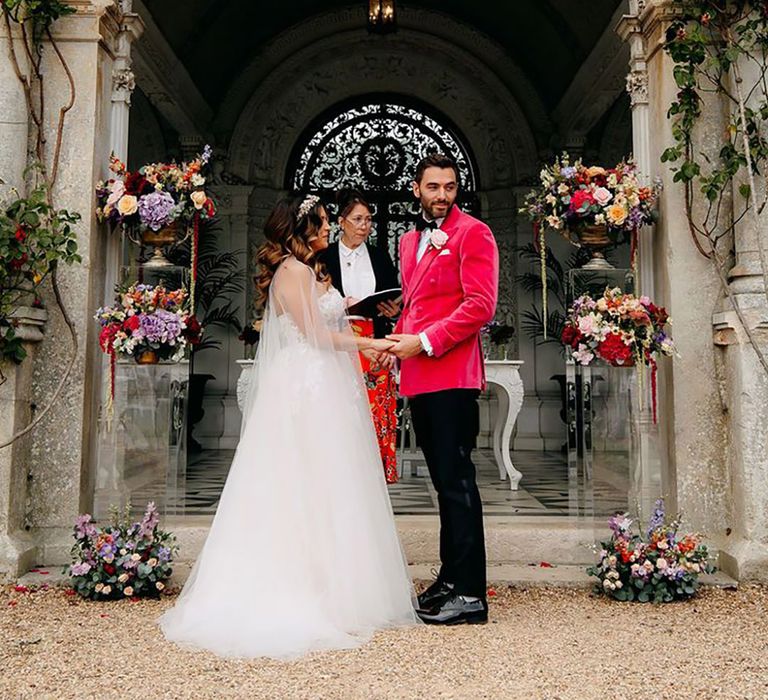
(367, 307)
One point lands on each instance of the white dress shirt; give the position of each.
(423, 243)
(357, 277)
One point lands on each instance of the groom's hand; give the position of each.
(405, 346)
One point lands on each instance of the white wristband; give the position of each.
(426, 344)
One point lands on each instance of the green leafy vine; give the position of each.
(719, 49)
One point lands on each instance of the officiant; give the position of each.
(358, 269)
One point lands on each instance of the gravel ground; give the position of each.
(541, 643)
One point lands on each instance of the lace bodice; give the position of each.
(331, 305)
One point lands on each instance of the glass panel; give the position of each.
(142, 448)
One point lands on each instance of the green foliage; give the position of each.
(706, 44)
(533, 321)
(219, 276)
(41, 14)
(34, 238)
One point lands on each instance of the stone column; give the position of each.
(745, 552)
(17, 550)
(60, 473)
(693, 434)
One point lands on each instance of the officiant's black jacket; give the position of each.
(383, 270)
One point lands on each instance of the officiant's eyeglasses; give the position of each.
(360, 221)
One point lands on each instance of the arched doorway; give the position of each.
(372, 144)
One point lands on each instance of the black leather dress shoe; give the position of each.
(434, 595)
(455, 611)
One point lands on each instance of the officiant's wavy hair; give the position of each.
(287, 233)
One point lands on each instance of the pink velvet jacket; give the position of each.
(449, 295)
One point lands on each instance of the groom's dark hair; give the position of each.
(436, 160)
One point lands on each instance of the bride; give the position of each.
(303, 553)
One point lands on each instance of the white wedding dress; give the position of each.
(303, 553)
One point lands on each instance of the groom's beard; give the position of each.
(429, 216)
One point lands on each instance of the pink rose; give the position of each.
(602, 196)
(438, 238)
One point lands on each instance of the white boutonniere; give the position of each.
(437, 238)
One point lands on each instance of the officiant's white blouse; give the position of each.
(357, 276)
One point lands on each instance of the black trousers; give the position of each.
(446, 424)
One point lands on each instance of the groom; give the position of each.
(450, 272)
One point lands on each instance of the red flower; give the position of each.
(491, 593)
(107, 336)
(131, 323)
(136, 184)
(21, 589)
(20, 234)
(18, 263)
(615, 351)
(192, 331)
(571, 336)
(109, 569)
(581, 200)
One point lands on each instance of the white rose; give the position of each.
(602, 196)
(98, 587)
(198, 198)
(106, 590)
(619, 584)
(197, 180)
(135, 557)
(152, 562)
(661, 564)
(122, 578)
(159, 585)
(128, 205)
(128, 590)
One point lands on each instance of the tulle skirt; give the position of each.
(303, 553)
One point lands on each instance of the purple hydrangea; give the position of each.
(84, 527)
(160, 327)
(164, 554)
(156, 209)
(568, 171)
(80, 569)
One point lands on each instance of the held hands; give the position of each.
(405, 345)
(378, 352)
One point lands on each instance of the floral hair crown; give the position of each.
(310, 201)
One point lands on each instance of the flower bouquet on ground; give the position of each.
(122, 559)
(664, 566)
(621, 329)
(147, 320)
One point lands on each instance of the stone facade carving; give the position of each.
(637, 87)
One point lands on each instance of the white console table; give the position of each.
(503, 376)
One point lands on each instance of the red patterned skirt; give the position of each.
(382, 396)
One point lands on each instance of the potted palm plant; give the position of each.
(220, 277)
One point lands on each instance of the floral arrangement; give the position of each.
(498, 333)
(146, 318)
(156, 195)
(664, 566)
(621, 329)
(121, 560)
(573, 196)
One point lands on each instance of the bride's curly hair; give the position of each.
(289, 230)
